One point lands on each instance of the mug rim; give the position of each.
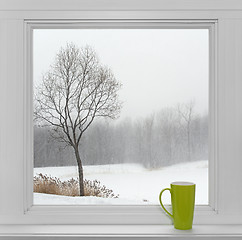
(182, 183)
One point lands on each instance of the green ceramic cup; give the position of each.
(182, 200)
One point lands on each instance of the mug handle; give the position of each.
(162, 203)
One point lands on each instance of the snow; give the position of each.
(50, 199)
(134, 184)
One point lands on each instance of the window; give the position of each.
(221, 217)
(152, 130)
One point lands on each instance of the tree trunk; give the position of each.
(80, 171)
(189, 143)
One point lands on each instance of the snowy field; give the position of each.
(134, 184)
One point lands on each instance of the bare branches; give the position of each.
(74, 92)
(186, 112)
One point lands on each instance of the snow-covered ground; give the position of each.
(133, 183)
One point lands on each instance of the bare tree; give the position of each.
(186, 112)
(167, 127)
(76, 90)
(147, 148)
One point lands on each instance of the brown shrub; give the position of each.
(51, 185)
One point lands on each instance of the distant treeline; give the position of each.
(171, 136)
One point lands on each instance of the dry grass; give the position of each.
(50, 185)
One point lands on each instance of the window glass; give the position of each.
(119, 114)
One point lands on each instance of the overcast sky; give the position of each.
(157, 67)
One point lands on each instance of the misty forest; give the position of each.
(170, 136)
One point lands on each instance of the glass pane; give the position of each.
(119, 114)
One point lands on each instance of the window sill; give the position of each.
(118, 231)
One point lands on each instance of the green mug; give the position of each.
(182, 200)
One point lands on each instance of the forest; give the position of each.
(172, 135)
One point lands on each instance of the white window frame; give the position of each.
(17, 215)
(129, 211)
